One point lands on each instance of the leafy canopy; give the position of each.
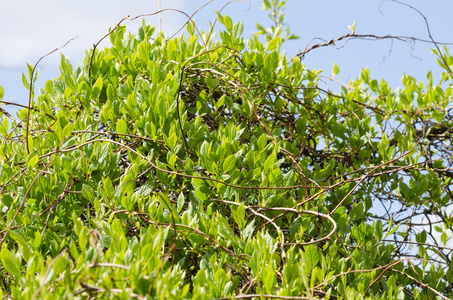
(202, 167)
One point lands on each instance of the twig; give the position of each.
(23, 202)
(30, 86)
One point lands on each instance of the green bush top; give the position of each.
(203, 168)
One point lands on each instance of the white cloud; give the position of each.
(32, 28)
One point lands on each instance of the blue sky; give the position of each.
(32, 28)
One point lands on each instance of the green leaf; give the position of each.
(378, 230)
(128, 202)
(60, 264)
(262, 141)
(25, 81)
(32, 160)
(421, 237)
(10, 262)
(220, 102)
(104, 154)
(124, 91)
(239, 216)
(229, 163)
(422, 185)
(7, 200)
(26, 249)
(312, 255)
(2, 92)
(220, 18)
(180, 203)
(228, 289)
(108, 187)
(444, 238)
(228, 23)
(59, 86)
(352, 27)
(205, 149)
(405, 191)
(335, 69)
(191, 28)
(248, 230)
(202, 192)
(121, 126)
(224, 228)
(390, 230)
(270, 281)
(88, 192)
(267, 5)
(269, 162)
(274, 43)
(357, 211)
(288, 178)
(333, 250)
(238, 28)
(97, 88)
(338, 130)
(391, 283)
(111, 92)
(238, 134)
(271, 61)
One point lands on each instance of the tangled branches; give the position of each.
(188, 167)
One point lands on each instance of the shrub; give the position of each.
(196, 167)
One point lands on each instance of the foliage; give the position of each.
(275, 9)
(200, 168)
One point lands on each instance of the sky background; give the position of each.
(30, 29)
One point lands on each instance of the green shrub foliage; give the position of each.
(203, 167)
